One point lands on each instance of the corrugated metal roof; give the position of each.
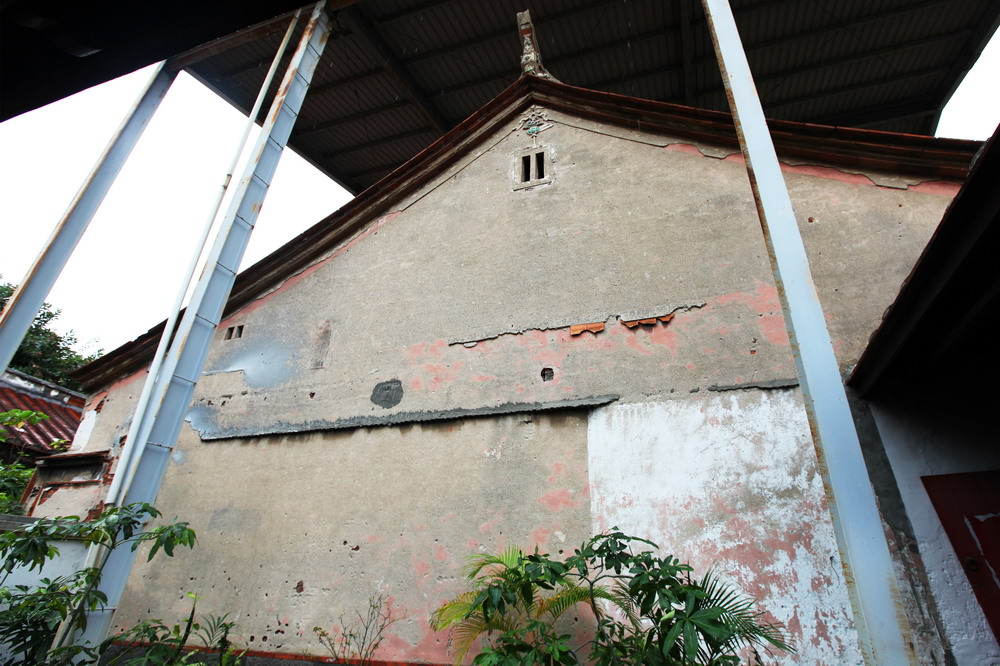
(63, 407)
(885, 64)
(397, 74)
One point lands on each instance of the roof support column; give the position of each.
(870, 576)
(27, 300)
(179, 373)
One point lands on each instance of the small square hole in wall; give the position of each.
(532, 168)
(234, 332)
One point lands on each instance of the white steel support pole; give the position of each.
(874, 593)
(119, 484)
(191, 342)
(27, 300)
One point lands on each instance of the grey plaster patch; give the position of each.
(566, 322)
(658, 311)
(261, 368)
(709, 150)
(770, 384)
(209, 430)
(515, 329)
(387, 394)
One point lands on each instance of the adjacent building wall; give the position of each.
(936, 431)
(384, 413)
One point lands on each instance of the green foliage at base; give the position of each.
(31, 616)
(648, 610)
(153, 643)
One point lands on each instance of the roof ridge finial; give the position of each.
(531, 55)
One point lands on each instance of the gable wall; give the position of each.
(687, 431)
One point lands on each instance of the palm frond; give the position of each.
(508, 559)
(562, 600)
(569, 595)
(747, 624)
(453, 611)
(465, 633)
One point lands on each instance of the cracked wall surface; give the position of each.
(471, 370)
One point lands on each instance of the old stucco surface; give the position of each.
(730, 482)
(624, 227)
(294, 531)
(458, 300)
(928, 432)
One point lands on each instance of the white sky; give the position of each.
(126, 271)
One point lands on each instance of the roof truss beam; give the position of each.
(370, 39)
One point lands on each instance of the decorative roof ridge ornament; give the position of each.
(531, 55)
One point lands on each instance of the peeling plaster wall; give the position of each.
(730, 481)
(106, 419)
(622, 226)
(930, 432)
(293, 531)
(636, 274)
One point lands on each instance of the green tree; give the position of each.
(43, 352)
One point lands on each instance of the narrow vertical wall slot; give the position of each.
(530, 168)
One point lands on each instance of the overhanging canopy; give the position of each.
(398, 74)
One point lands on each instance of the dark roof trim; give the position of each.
(75, 458)
(942, 265)
(852, 148)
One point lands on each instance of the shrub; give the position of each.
(648, 609)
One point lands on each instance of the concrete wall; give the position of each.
(928, 432)
(730, 481)
(480, 302)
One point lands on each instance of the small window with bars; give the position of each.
(532, 167)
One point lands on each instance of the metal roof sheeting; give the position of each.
(398, 74)
(888, 64)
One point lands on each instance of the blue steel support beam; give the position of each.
(187, 353)
(34, 288)
(871, 578)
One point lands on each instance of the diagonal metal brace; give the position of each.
(35, 287)
(871, 578)
(179, 373)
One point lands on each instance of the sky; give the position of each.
(126, 271)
